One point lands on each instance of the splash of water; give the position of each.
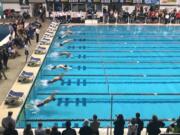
(44, 83)
(54, 54)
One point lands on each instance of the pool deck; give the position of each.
(16, 66)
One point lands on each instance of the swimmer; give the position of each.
(66, 41)
(67, 54)
(56, 54)
(34, 105)
(66, 32)
(63, 36)
(55, 79)
(63, 66)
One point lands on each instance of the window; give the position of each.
(82, 7)
(57, 5)
(98, 7)
(75, 7)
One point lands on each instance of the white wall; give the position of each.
(170, 8)
(15, 6)
(130, 8)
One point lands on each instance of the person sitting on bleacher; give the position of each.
(174, 127)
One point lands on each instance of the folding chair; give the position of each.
(25, 77)
(33, 62)
(14, 98)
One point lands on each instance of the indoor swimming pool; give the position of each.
(115, 70)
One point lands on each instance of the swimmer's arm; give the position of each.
(50, 98)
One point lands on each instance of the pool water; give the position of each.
(4, 31)
(115, 70)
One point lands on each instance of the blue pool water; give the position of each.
(4, 31)
(115, 70)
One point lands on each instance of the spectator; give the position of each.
(48, 132)
(7, 120)
(95, 125)
(174, 127)
(55, 131)
(40, 130)
(37, 34)
(2, 71)
(153, 127)
(177, 126)
(132, 127)
(28, 35)
(10, 130)
(26, 48)
(11, 29)
(119, 125)
(28, 130)
(14, 25)
(68, 130)
(5, 57)
(140, 123)
(85, 130)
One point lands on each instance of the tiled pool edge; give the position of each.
(25, 88)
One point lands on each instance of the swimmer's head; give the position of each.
(60, 44)
(54, 99)
(65, 65)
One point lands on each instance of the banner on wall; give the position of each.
(128, 1)
(168, 2)
(154, 2)
(82, 1)
(137, 1)
(115, 1)
(105, 1)
(75, 1)
(96, 1)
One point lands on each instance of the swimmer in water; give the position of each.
(66, 32)
(55, 79)
(65, 42)
(36, 104)
(63, 66)
(66, 54)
